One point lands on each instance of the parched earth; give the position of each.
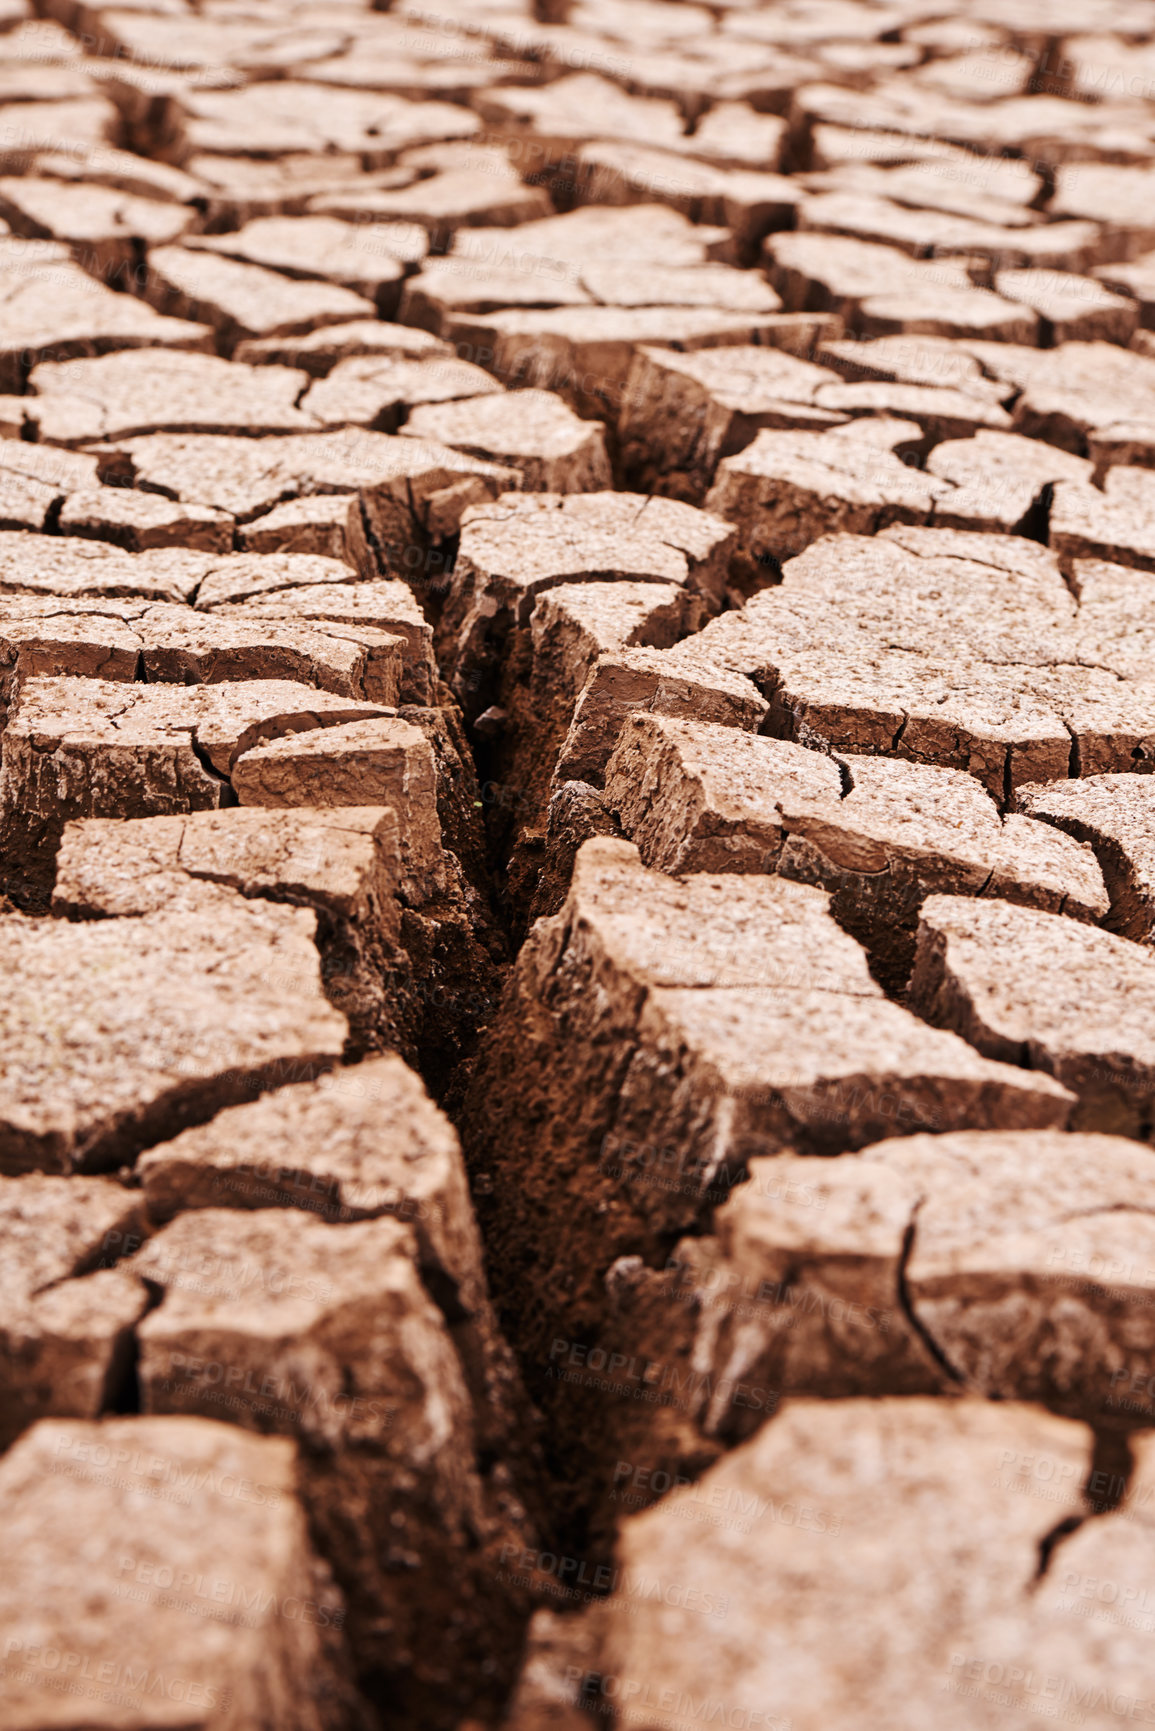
(577, 865)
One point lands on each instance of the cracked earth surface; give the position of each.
(577, 865)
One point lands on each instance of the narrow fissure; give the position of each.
(907, 1303)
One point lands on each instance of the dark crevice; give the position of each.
(122, 1392)
(1074, 764)
(1046, 192)
(1130, 914)
(1035, 523)
(200, 752)
(1050, 1542)
(138, 269)
(907, 1303)
(440, 565)
(443, 1290)
(771, 563)
(371, 541)
(1067, 574)
(1112, 1467)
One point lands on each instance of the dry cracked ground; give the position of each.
(577, 853)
